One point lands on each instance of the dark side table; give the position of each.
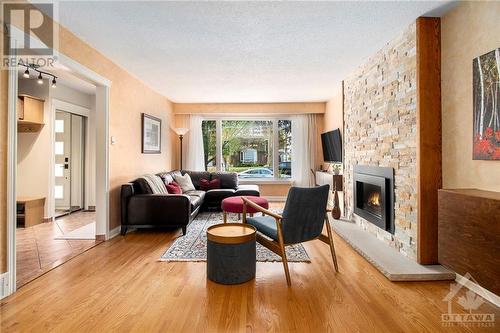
(231, 253)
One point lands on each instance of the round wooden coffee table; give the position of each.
(231, 253)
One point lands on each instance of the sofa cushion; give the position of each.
(142, 186)
(173, 188)
(184, 182)
(206, 184)
(250, 190)
(167, 177)
(227, 179)
(218, 194)
(156, 184)
(196, 193)
(196, 176)
(195, 202)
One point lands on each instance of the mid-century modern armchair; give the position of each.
(302, 220)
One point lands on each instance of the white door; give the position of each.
(62, 172)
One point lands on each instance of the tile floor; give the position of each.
(38, 252)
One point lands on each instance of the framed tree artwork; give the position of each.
(486, 99)
(151, 134)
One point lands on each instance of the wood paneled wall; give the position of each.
(429, 178)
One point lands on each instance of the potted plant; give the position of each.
(336, 167)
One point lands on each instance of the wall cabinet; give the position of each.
(29, 113)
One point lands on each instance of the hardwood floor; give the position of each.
(38, 252)
(122, 286)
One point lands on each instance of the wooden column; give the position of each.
(429, 178)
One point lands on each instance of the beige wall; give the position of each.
(129, 97)
(334, 114)
(470, 30)
(249, 108)
(334, 111)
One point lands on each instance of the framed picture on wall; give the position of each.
(151, 134)
(486, 97)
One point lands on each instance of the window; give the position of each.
(252, 148)
(209, 144)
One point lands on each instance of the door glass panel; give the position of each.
(59, 148)
(59, 192)
(59, 171)
(59, 126)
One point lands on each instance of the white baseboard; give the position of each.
(4, 285)
(114, 232)
(484, 293)
(275, 198)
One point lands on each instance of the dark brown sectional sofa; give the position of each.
(140, 208)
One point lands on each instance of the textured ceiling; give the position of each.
(241, 51)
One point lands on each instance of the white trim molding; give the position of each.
(4, 285)
(55, 105)
(11, 180)
(102, 155)
(114, 232)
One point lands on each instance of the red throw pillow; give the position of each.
(206, 185)
(173, 188)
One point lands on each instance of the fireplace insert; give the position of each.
(374, 195)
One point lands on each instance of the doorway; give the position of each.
(69, 167)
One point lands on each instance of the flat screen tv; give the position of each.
(332, 146)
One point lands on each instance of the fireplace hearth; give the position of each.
(374, 195)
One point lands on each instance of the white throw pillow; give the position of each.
(184, 182)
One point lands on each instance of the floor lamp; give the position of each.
(181, 132)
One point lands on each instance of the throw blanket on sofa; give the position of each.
(156, 184)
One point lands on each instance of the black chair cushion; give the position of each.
(304, 213)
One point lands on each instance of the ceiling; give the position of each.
(194, 52)
(64, 76)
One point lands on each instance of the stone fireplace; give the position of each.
(373, 190)
(380, 133)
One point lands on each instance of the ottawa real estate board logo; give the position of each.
(29, 34)
(470, 302)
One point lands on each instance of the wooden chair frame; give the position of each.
(278, 247)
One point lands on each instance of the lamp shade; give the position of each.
(181, 130)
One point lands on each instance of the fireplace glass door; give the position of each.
(371, 199)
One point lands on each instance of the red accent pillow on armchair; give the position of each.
(173, 188)
(206, 185)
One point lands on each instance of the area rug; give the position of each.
(193, 246)
(85, 232)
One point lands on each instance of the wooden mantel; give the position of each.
(429, 178)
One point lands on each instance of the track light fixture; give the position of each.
(35, 67)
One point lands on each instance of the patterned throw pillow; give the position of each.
(184, 182)
(173, 188)
(206, 185)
